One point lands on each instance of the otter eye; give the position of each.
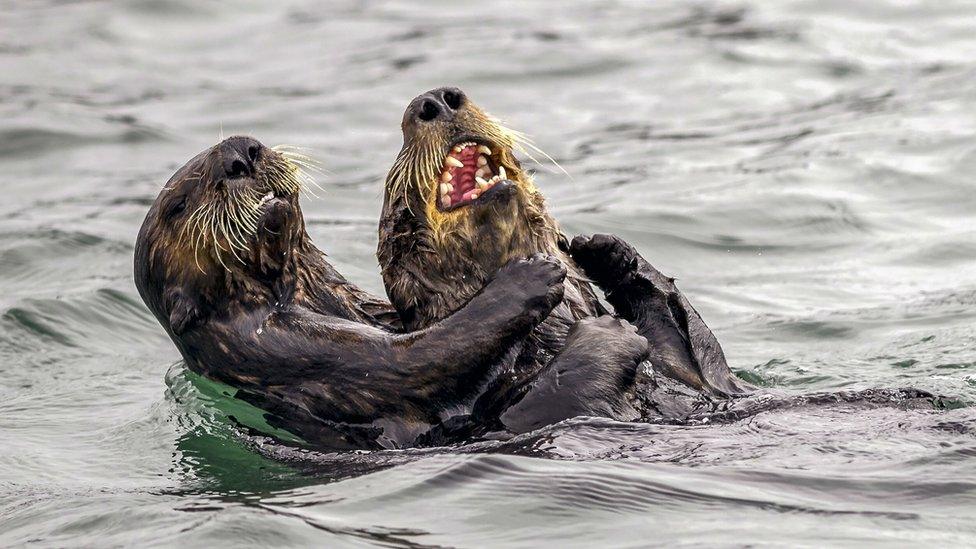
(177, 207)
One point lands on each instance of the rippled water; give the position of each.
(803, 167)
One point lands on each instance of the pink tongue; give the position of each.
(463, 178)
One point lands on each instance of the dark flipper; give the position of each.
(591, 376)
(681, 345)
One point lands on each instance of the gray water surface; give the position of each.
(804, 168)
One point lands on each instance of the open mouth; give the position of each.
(470, 170)
(266, 198)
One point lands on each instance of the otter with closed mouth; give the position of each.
(458, 205)
(224, 263)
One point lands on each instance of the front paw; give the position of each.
(537, 279)
(619, 337)
(607, 259)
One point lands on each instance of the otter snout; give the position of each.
(239, 154)
(438, 105)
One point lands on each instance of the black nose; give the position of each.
(238, 155)
(440, 104)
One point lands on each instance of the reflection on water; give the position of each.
(803, 167)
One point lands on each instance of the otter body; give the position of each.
(428, 278)
(226, 266)
(458, 205)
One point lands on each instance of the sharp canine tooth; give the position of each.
(446, 176)
(482, 161)
(480, 181)
(451, 161)
(501, 171)
(484, 150)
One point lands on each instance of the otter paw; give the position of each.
(619, 337)
(538, 279)
(607, 259)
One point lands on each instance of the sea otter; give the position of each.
(458, 205)
(225, 264)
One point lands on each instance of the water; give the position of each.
(803, 167)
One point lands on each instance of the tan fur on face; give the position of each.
(226, 219)
(434, 261)
(417, 169)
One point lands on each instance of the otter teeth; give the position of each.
(454, 187)
(266, 198)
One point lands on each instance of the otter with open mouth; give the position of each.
(458, 205)
(225, 264)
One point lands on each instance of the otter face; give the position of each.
(227, 217)
(227, 195)
(456, 160)
(457, 207)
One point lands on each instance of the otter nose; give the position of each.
(238, 154)
(440, 104)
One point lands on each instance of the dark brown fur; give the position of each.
(434, 260)
(263, 311)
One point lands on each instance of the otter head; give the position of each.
(458, 206)
(221, 233)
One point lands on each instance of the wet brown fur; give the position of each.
(433, 261)
(256, 305)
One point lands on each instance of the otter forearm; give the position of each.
(457, 352)
(682, 346)
(451, 357)
(352, 371)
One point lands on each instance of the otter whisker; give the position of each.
(308, 161)
(230, 243)
(302, 164)
(214, 224)
(200, 226)
(303, 181)
(521, 147)
(220, 259)
(233, 231)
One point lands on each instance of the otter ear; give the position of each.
(183, 311)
